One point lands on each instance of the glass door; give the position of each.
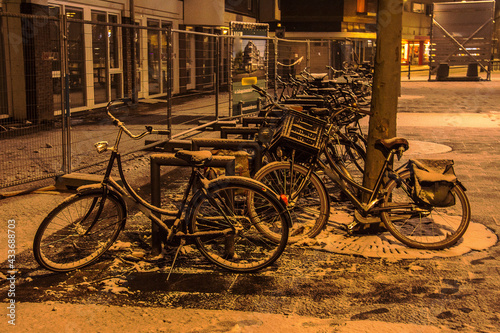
(76, 57)
(153, 57)
(100, 58)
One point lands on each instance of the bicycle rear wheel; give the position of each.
(309, 208)
(229, 216)
(422, 226)
(78, 231)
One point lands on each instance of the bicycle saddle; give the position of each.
(194, 158)
(393, 143)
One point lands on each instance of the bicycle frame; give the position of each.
(340, 179)
(128, 194)
(338, 176)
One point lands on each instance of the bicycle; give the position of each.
(309, 207)
(413, 222)
(223, 217)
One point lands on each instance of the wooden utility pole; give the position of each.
(386, 84)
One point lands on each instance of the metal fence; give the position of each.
(58, 71)
(32, 140)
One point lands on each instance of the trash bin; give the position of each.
(443, 71)
(472, 70)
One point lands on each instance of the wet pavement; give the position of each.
(458, 291)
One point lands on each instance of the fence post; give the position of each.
(275, 41)
(308, 54)
(65, 109)
(217, 75)
(230, 46)
(170, 62)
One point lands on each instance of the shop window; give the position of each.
(153, 57)
(164, 56)
(114, 60)
(245, 7)
(76, 57)
(418, 8)
(361, 6)
(99, 52)
(3, 85)
(106, 57)
(366, 6)
(138, 58)
(55, 56)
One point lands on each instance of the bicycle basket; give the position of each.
(300, 132)
(434, 180)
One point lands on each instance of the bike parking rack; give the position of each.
(172, 145)
(232, 144)
(245, 132)
(258, 120)
(169, 159)
(217, 125)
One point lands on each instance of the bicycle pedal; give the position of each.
(351, 226)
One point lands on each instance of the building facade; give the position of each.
(107, 59)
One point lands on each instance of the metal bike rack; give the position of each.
(170, 145)
(232, 144)
(169, 159)
(257, 120)
(217, 126)
(245, 132)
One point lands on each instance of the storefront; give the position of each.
(415, 52)
(97, 51)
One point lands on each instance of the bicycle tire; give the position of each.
(430, 228)
(245, 203)
(61, 242)
(310, 210)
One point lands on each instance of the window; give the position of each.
(418, 8)
(114, 60)
(154, 57)
(361, 6)
(245, 7)
(76, 57)
(106, 57)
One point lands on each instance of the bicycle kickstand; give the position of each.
(183, 241)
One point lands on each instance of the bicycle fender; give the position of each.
(89, 187)
(459, 183)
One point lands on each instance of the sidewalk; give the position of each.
(309, 290)
(59, 317)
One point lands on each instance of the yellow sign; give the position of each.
(248, 81)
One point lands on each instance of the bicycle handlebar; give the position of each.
(121, 125)
(264, 93)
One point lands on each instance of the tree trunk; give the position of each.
(386, 84)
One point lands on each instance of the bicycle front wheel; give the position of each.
(229, 218)
(78, 231)
(422, 226)
(308, 204)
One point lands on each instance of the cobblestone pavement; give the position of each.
(309, 290)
